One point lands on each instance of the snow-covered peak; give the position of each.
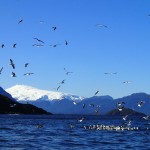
(25, 93)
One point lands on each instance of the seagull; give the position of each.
(28, 74)
(12, 64)
(37, 45)
(96, 92)
(26, 64)
(127, 82)
(14, 46)
(39, 40)
(97, 112)
(91, 105)
(1, 70)
(120, 108)
(110, 73)
(55, 45)
(67, 72)
(101, 25)
(62, 82)
(20, 21)
(12, 105)
(120, 103)
(58, 87)
(66, 43)
(80, 120)
(141, 103)
(146, 117)
(2, 46)
(125, 117)
(83, 106)
(74, 103)
(13, 74)
(54, 28)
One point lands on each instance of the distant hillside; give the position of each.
(8, 106)
(126, 111)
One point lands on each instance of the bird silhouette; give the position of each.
(13, 74)
(96, 92)
(1, 70)
(66, 43)
(101, 25)
(20, 21)
(28, 74)
(14, 45)
(54, 28)
(2, 46)
(12, 64)
(26, 64)
(39, 40)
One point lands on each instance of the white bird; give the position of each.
(124, 117)
(141, 103)
(146, 117)
(37, 45)
(101, 25)
(80, 120)
(28, 74)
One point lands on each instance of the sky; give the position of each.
(123, 46)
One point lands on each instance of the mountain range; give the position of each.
(63, 103)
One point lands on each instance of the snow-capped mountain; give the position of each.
(28, 93)
(63, 103)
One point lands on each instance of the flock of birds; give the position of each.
(120, 105)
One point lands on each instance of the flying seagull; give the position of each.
(66, 43)
(141, 103)
(62, 82)
(120, 108)
(58, 87)
(101, 25)
(39, 40)
(12, 64)
(80, 120)
(13, 74)
(2, 46)
(14, 45)
(127, 82)
(96, 92)
(20, 21)
(1, 70)
(125, 117)
(37, 45)
(28, 74)
(67, 72)
(54, 28)
(55, 45)
(26, 64)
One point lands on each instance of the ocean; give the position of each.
(65, 132)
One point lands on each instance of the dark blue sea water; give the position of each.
(45, 132)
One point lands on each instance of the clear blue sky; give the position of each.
(123, 47)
